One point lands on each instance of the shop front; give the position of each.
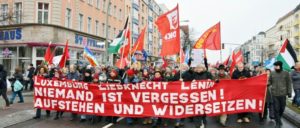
(21, 45)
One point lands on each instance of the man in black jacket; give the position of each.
(241, 73)
(30, 75)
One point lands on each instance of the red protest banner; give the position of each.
(152, 99)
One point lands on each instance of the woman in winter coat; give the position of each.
(87, 77)
(57, 76)
(157, 78)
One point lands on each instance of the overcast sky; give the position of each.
(240, 19)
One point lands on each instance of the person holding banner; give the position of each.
(57, 76)
(74, 76)
(281, 87)
(157, 78)
(113, 77)
(222, 75)
(201, 73)
(241, 73)
(42, 72)
(86, 78)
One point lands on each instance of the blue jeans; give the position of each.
(296, 99)
(14, 94)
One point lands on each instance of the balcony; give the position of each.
(296, 34)
(135, 21)
(135, 6)
(296, 23)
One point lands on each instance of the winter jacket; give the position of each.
(240, 74)
(295, 75)
(31, 72)
(73, 75)
(3, 76)
(16, 76)
(188, 75)
(280, 83)
(202, 76)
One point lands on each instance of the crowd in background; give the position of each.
(279, 86)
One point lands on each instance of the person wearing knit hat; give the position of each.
(281, 87)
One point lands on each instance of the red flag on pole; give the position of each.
(125, 48)
(168, 26)
(47, 56)
(139, 44)
(122, 62)
(65, 56)
(236, 59)
(210, 39)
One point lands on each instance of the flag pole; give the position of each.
(180, 62)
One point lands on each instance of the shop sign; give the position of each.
(11, 34)
(82, 40)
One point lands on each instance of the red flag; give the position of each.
(168, 26)
(139, 44)
(65, 56)
(226, 62)
(125, 49)
(51, 57)
(48, 53)
(165, 63)
(121, 63)
(211, 39)
(236, 59)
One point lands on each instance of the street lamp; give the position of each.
(106, 57)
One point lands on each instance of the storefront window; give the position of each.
(40, 51)
(25, 51)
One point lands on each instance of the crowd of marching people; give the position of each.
(279, 87)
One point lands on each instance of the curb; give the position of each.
(291, 116)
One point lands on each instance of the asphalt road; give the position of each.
(212, 123)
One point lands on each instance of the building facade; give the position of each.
(27, 27)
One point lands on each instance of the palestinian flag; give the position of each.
(287, 56)
(117, 43)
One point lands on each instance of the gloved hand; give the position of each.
(217, 80)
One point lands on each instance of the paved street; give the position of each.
(65, 122)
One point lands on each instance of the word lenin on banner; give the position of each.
(152, 99)
(168, 26)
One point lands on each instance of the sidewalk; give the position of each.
(18, 112)
(292, 116)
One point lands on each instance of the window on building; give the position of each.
(103, 4)
(97, 27)
(43, 13)
(120, 14)
(98, 4)
(4, 14)
(110, 10)
(114, 33)
(115, 11)
(108, 31)
(103, 29)
(80, 22)
(142, 20)
(143, 7)
(89, 25)
(68, 18)
(90, 2)
(18, 12)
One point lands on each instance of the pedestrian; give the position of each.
(30, 75)
(43, 72)
(222, 75)
(17, 80)
(295, 75)
(242, 73)
(3, 86)
(201, 73)
(281, 87)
